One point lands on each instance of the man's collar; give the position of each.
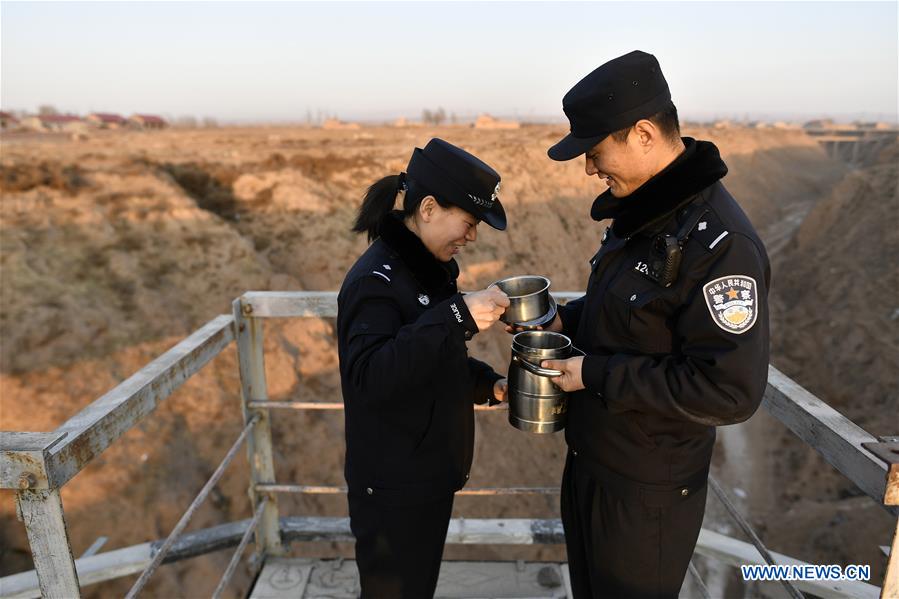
(698, 166)
(427, 270)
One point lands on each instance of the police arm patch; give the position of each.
(732, 302)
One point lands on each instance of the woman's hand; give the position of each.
(500, 388)
(486, 306)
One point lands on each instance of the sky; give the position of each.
(287, 61)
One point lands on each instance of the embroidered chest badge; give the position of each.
(423, 299)
(733, 302)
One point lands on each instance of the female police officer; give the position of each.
(408, 383)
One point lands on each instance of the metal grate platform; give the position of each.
(338, 579)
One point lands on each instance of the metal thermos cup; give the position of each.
(536, 404)
(528, 298)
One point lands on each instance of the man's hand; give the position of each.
(571, 373)
(486, 306)
(500, 388)
(555, 326)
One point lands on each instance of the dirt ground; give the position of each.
(114, 248)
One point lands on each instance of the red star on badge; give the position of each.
(732, 293)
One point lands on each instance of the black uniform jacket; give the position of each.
(664, 366)
(408, 383)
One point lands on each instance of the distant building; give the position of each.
(59, 122)
(147, 121)
(404, 122)
(485, 121)
(7, 120)
(106, 120)
(878, 125)
(338, 124)
(819, 124)
(33, 123)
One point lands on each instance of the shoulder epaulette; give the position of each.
(709, 231)
(383, 271)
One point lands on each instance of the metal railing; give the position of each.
(749, 532)
(141, 582)
(36, 465)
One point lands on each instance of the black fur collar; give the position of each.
(427, 270)
(696, 168)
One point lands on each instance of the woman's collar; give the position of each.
(427, 270)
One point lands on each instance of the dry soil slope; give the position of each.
(840, 297)
(115, 248)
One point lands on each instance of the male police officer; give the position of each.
(675, 327)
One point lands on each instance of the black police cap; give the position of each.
(457, 177)
(613, 97)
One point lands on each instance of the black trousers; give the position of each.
(627, 541)
(398, 548)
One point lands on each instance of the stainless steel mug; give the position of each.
(536, 404)
(528, 298)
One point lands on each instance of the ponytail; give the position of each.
(378, 201)
(380, 198)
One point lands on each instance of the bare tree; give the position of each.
(185, 122)
(435, 117)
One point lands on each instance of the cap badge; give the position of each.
(482, 202)
(423, 299)
(732, 302)
(495, 193)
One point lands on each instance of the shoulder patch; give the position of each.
(732, 302)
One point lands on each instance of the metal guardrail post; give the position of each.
(887, 449)
(23, 467)
(41, 511)
(890, 588)
(249, 334)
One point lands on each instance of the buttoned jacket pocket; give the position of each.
(636, 314)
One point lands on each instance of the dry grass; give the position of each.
(116, 247)
(53, 175)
